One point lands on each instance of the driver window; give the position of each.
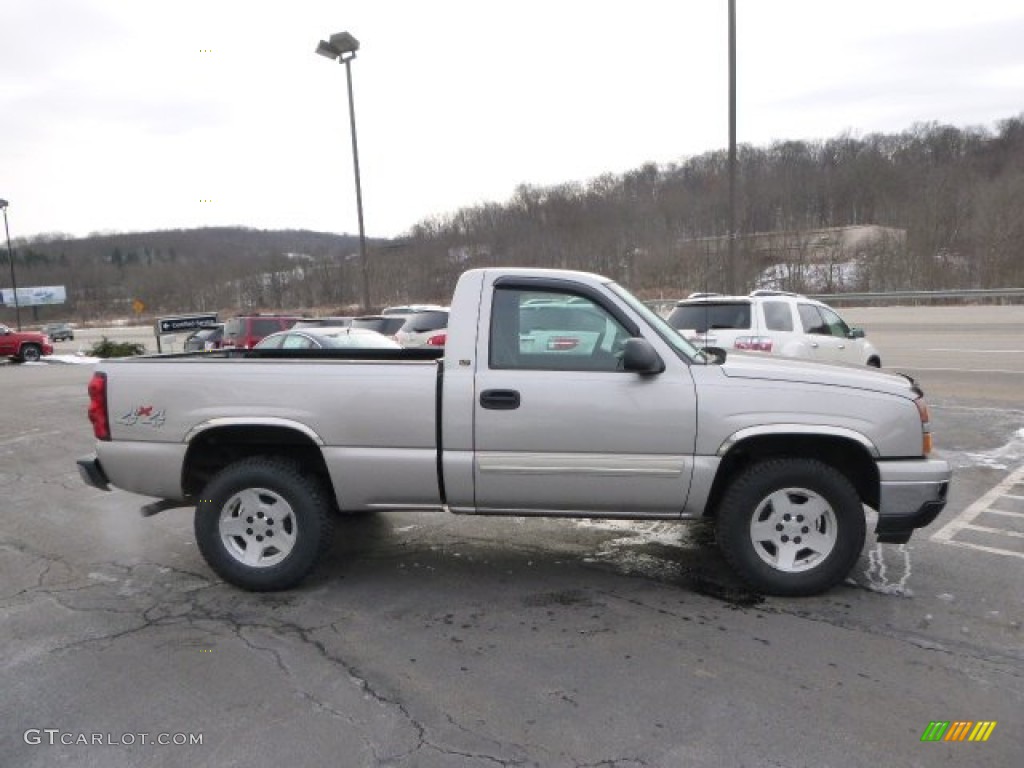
(553, 331)
(812, 320)
(835, 323)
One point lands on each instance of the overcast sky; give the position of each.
(131, 115)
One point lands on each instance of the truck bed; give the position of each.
(361, 422)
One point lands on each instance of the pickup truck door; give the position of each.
(559, 428)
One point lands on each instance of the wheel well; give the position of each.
(216, 448)
(847, 456)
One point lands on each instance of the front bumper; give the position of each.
(92, 472)
(912, 494)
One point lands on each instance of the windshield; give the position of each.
(682, 347)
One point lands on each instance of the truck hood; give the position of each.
(766, 367)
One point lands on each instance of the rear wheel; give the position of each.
(262, 525)
(791, 526)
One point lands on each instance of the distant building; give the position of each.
(826, 260)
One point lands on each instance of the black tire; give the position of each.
(874, 362)
(30, 353)
(245, 506)
(791, 527)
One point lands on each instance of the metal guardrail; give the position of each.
(985, 295)
(978, 295)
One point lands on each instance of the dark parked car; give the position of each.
(59, 332)
(211, 337)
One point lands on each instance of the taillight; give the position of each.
(926, 429)
(753, 343)
(562, 343)
(437, 341)
(98, 406)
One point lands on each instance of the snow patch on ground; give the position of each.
(878, 577)
(621, 551)
(68, 360)
(1005, 457)
(639, 533)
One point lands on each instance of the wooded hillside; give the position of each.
(949, 202)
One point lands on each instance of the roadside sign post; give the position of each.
(165, 326)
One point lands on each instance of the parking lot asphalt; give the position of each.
(433, 640)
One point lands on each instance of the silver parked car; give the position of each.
(327, 338)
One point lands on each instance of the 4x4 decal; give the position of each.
(144, 416)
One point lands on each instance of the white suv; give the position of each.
(424, 328)
(782, 323)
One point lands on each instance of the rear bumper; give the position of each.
(92, 473)
(912, 494)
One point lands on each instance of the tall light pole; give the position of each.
(343, 46)
(10, 255)
(730, 271)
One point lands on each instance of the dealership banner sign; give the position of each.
(35, 297)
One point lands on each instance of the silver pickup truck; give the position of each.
(558, 394)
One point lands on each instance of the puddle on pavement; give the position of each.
(682, 554)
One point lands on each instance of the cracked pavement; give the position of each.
(429, 640)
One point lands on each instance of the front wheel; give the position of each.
(30, 353)
(791, 527)
(262, 525)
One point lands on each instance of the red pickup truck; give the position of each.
(23, 347)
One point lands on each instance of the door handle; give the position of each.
(499, 399)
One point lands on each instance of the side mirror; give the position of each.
(857, 333)
(716, 354)
(639, 356)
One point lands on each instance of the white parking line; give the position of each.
(998, 531)
(986, 351)
(952, 370)
(965, 520)
(1005, 512)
